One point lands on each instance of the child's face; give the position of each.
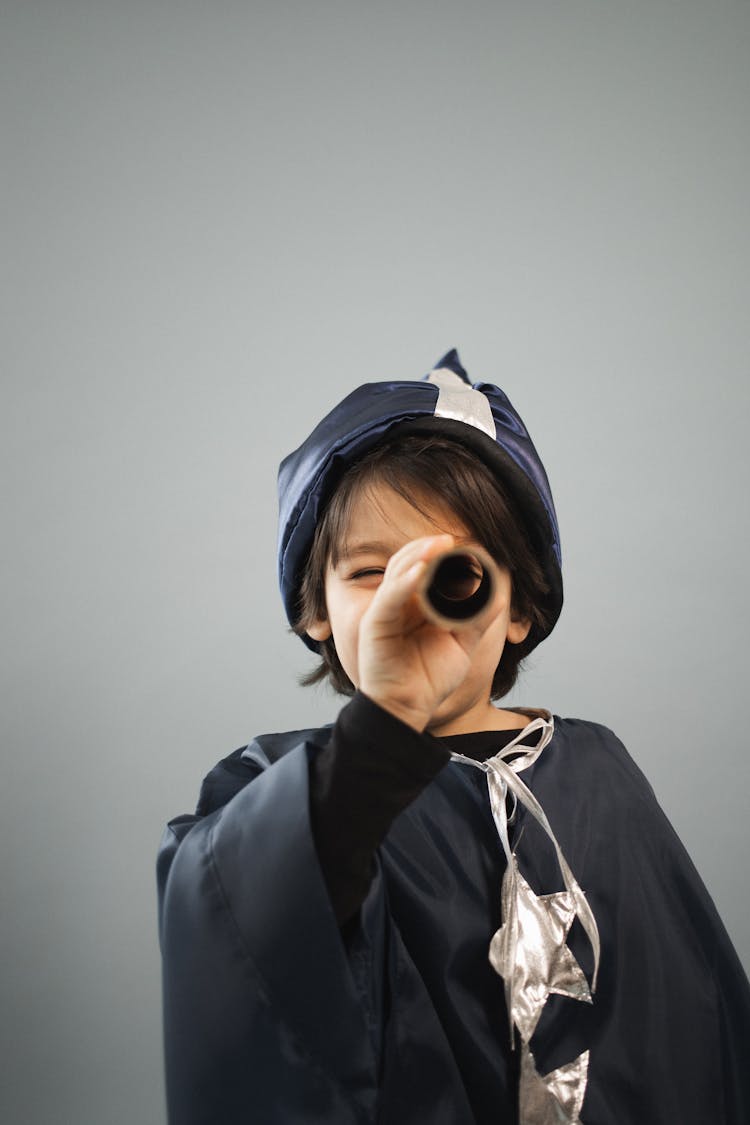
(381, 523)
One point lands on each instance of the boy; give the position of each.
(437, 910)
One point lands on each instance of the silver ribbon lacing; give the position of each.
(529, 950)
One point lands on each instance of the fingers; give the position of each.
(402, 577)
(418, 550)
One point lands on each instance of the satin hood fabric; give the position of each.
(308, 476)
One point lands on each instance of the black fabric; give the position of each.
(370, 771)
(271, 1019)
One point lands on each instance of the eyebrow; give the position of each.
(355, 549)
(380, 547)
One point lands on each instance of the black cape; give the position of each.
(271, 1018)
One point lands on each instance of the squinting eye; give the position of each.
(376, 570)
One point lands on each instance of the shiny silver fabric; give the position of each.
(555, 1099)
(529, 950)
(457, 399)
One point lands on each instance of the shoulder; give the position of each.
(588, 737)
(602, 808)
(234, 772)
(592, 741)
(592, 758)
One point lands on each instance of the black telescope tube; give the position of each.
(460, 585)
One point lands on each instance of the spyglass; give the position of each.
(458, 586)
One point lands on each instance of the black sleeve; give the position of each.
(373, 767)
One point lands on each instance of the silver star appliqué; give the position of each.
(555, 1099)
(529, 951)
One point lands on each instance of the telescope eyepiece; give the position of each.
(458, 586)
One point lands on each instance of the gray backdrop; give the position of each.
(218, 219)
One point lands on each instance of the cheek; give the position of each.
(345, 616)
(346, 640)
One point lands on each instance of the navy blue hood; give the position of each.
(479, 415)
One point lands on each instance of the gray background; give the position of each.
(217, 220)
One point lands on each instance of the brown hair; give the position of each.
(417, 467)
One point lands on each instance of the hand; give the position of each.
(407, 665)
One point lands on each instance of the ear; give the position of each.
(518, 629)
(319, 630)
